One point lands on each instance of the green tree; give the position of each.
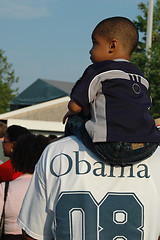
(7, 79)
(150, 66)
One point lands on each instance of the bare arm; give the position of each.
(74, 108)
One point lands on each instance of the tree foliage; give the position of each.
(7, 79)
(150, 66)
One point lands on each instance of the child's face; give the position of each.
(100, 49)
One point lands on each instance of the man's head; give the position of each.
(114, 37)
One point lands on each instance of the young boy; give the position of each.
(119, 129)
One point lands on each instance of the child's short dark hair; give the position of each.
(120, 28)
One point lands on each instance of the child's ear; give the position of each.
(113, 45)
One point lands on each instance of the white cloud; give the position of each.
(24, 9)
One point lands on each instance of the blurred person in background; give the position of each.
(26, 153)
(7, 173)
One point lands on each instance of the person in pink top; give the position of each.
(25, 155)
(7, 173)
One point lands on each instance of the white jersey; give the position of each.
(75, 196)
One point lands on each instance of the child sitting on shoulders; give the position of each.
(119, 127)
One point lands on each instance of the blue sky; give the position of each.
(51, 39)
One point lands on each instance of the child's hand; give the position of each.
(67, 115)
(74, 108)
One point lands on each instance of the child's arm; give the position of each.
(74, 108)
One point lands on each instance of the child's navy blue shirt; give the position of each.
(119, 99)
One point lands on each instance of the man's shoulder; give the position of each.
(65, 145)
(65, 141)
(156, 154)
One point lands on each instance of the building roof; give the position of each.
(41, 90)
(43, 118)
